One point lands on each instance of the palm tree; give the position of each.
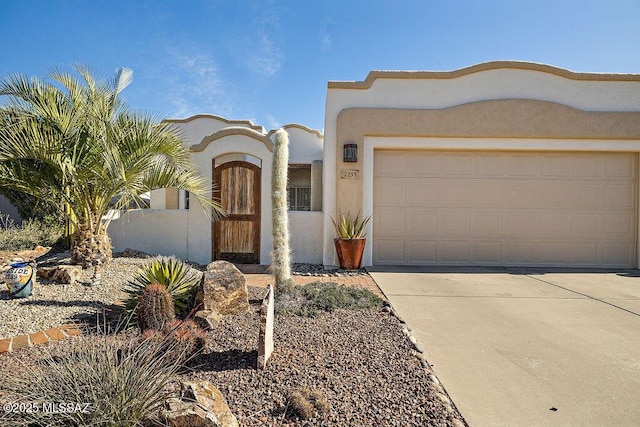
(73, 141)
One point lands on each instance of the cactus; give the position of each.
(155, 308)
(189, 335)
(178, 340)
(281, 256)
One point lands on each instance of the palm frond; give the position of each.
(73, 139)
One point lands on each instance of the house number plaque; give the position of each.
(349, 173)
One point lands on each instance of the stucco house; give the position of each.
(501, 163)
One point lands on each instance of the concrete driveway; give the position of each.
(527, 347)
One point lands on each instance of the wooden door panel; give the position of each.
(236, 237)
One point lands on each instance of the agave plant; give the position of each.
(350, 228)
(180, 280)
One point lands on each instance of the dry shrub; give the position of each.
(123, 381)
(306, 403)
(183, 340)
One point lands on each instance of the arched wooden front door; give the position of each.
(236, 237)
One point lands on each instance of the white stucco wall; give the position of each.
(305, 236)
(436, 93)
(195, 129)
(305, 145)
(157, 232)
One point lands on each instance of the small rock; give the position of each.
(457, 423)
(443, 398)
(419, 347)
(207, 319)
(412, 339)
(438, 388)
(133, 253)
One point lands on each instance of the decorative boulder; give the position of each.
(201, 405)
(62, 274)
(223, 289)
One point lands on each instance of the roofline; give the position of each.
(486, 66)
(232, 131)
(298, 126)
(248, 123)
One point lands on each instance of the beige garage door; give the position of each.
(504, 208)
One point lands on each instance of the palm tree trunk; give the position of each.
(90, 247)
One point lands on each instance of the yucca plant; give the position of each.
(180, 280)
(350, 228)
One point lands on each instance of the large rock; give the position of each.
(223, 289)
(200, 405)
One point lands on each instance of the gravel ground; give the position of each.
(360, 361)
(52, 304)
(319, 270)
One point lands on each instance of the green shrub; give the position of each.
(155, 308)
(122, 380)
(311, 299)
(180, 280)
(32, 232)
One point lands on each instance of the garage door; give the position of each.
(504, 208)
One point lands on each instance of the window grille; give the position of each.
(299, 198)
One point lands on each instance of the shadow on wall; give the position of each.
(6, 208)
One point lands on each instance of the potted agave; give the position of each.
(351, 240)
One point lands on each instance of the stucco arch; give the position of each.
(232, 131)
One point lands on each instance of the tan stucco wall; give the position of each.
(533, 104)
(172, 198)
(508, 119)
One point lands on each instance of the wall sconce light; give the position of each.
(350, 153)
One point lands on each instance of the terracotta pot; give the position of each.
(350, 252)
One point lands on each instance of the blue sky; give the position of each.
(270, 61)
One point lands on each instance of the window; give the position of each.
(299, 187)
(299, 198)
